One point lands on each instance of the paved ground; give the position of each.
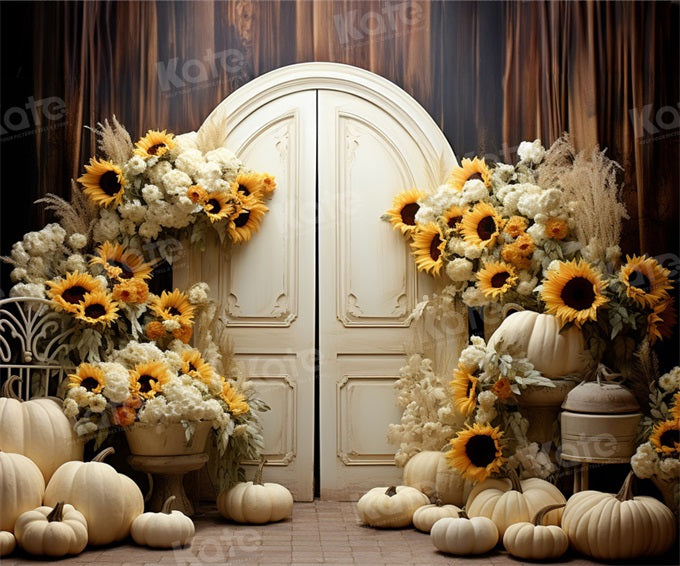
(322, 532)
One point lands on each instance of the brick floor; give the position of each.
(321, 532)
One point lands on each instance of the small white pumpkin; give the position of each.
(255, 502)
(464, 536)
(427, 515)
(21, 488)
(390, 507)
(165, 529)
(48, 531)
(7, 543)
(534, 541)
(429, 472)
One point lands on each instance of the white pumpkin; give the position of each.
(427, 515)
(38, 429)
(552, 352)
(534, 541)
(7, 543)
(390, 507)
(255, 502)
(166, 529)
(618, 526)
(48, 531)
(508, 500)
(21, 488)
(464, 536)
(429, 472)
(110, 501)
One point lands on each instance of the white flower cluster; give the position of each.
(670, 382)
(646, 464)
(533, 461)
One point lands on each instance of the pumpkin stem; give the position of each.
(57, 514)
(626, 491)
(103, 454)
(514, 479)
(462, 514)
(542, 512)
(391, 491)
(258, 474)
(167, 505)
(8, 388)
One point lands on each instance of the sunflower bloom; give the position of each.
(241, 227)
(155, 144)
(147, 379)
(66, 294)
(464, 389)
(469, 170)
(453, 216)
(195, 366)
(88, 376)
(573, 292)
(495, 279)
(481, 225)
(662, 320)
(645, 280)
(221, 205)
(121, 264)
(556, 228)
(98, 307)
(515, 226)
(250, 184)
(405, 206)
(427, 247)
(234, 400)
(666, 437)
(103, 183)
(173, 306)
(476, 452)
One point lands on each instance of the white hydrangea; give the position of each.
(36, 290)
(136, 353)
(80, 395)
(97, 403)
(176, 182)
(133, 210)
(645, 461)
(190, 161)
(225, 158)
(472, 251)
(208, 172)
(537, 233)
(155, 173)
(75, 262)
(151, 193)
(670, 381)
(532, 152)
(77, 241)
(484, 416)
(501, 174)
(529, 205)
(474, 191)
(136, 165)
(471, 358)
(107, 227)
(18, 274)
(19, 254)
(460, 269)
(198, 294)
(84, 428)
(149, 230)
(437, 204)
(117, 380)
(473, 297)
(487, 399)
(670, 468)
(71, 408)
(550, 201)
(534, 462)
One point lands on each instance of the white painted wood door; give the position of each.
(345, 141)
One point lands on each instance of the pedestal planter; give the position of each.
(541, 406)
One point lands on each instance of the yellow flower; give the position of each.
(104, 182)
(155, 330)
(471, 169)
(427, 247)
(645, 280)
(495, 279)
(69, 292)
(241, 227)
(556, 229)
(98, 307)
(147, 379)
(183, 333)
(502, 388)
(236, 401)
(675, 406)
(464, 389)
(573, 292)
(121, 264)
(88, 376)
(515, 226)
(155, 143)
(481, 225)
(662, 320)
(197, 194)
(194, 365)
(269, 183)
(666, 437)
(220, 205)
(512, 254)
(250, 184)
(453, 216)
(476, 452)
(131, 291)
(173, 306)
(402, 215)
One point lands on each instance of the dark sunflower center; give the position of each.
(145, 383)
(435, 252)
(89, 383)
(453, 221)
(499, 279)
(670, 438)
(408, 213)
(109, 183)
(243, 189)
(154, 149)
(242, 219)
(174, 311)
(578, 293)
(470, 388)
(640, 281)
(95, 311)
(481, 450)
(486, 228)
(74, 294)
(476, 177)
(125, 270)
(192, 367)
(216, 206)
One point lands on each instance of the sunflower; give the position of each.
(197, 194)
(453, 216)
(402, 215)
(69, 292)
(662, 320)
(241, 227)
(476, 452)
(121, 264)
(556, 228)
(155, 144)
(573, 292)
(236, 401)
(250, 184)
(666, 437)
(147, 378)
(428, 246)
(481, 225)
(88, 376)
(173, 306)
(98, 307)
(104, 182)
(269, 183)
(675, 405)
(645, 280)
(220, 205)
(471, 169)
(495, 279)
(464, 389)
(195, 366)
(502, 388)
(515, 226)
(132, 291)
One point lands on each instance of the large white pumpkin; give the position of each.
(21, 488)
(390, 507)
(429, 472)
(553, 353)
(37, 429)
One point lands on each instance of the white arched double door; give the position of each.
(317, 302)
